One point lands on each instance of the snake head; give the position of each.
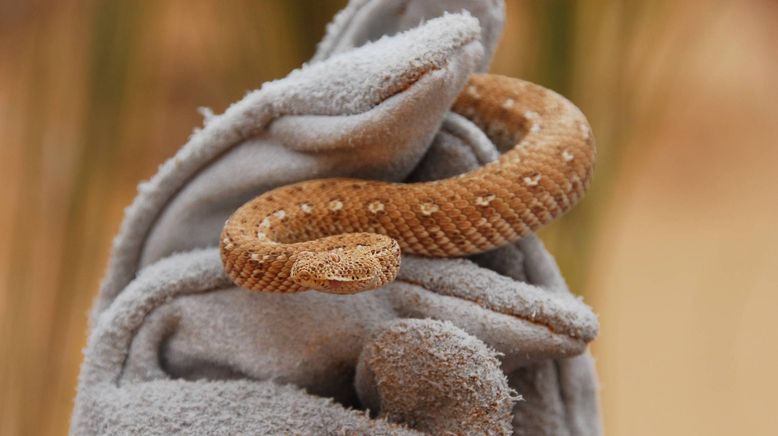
(342, 270)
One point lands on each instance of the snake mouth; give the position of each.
(341, 286)
(337, 286)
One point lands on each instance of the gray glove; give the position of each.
(488, 345)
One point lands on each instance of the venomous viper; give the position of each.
(345, 235)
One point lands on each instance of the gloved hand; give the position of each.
(175, 346)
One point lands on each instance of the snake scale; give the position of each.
(346, 235)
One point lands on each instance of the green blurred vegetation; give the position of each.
(94, 95)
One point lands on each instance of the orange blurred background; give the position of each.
(675, 246)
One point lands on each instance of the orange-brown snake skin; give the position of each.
(346, 235)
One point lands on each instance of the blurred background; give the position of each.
(676, 246)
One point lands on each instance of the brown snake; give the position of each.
(345, 235)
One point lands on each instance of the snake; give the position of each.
(345, 235)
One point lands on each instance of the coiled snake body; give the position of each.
(346, 235)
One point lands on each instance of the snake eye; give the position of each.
(304, 276)
(332, 257)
